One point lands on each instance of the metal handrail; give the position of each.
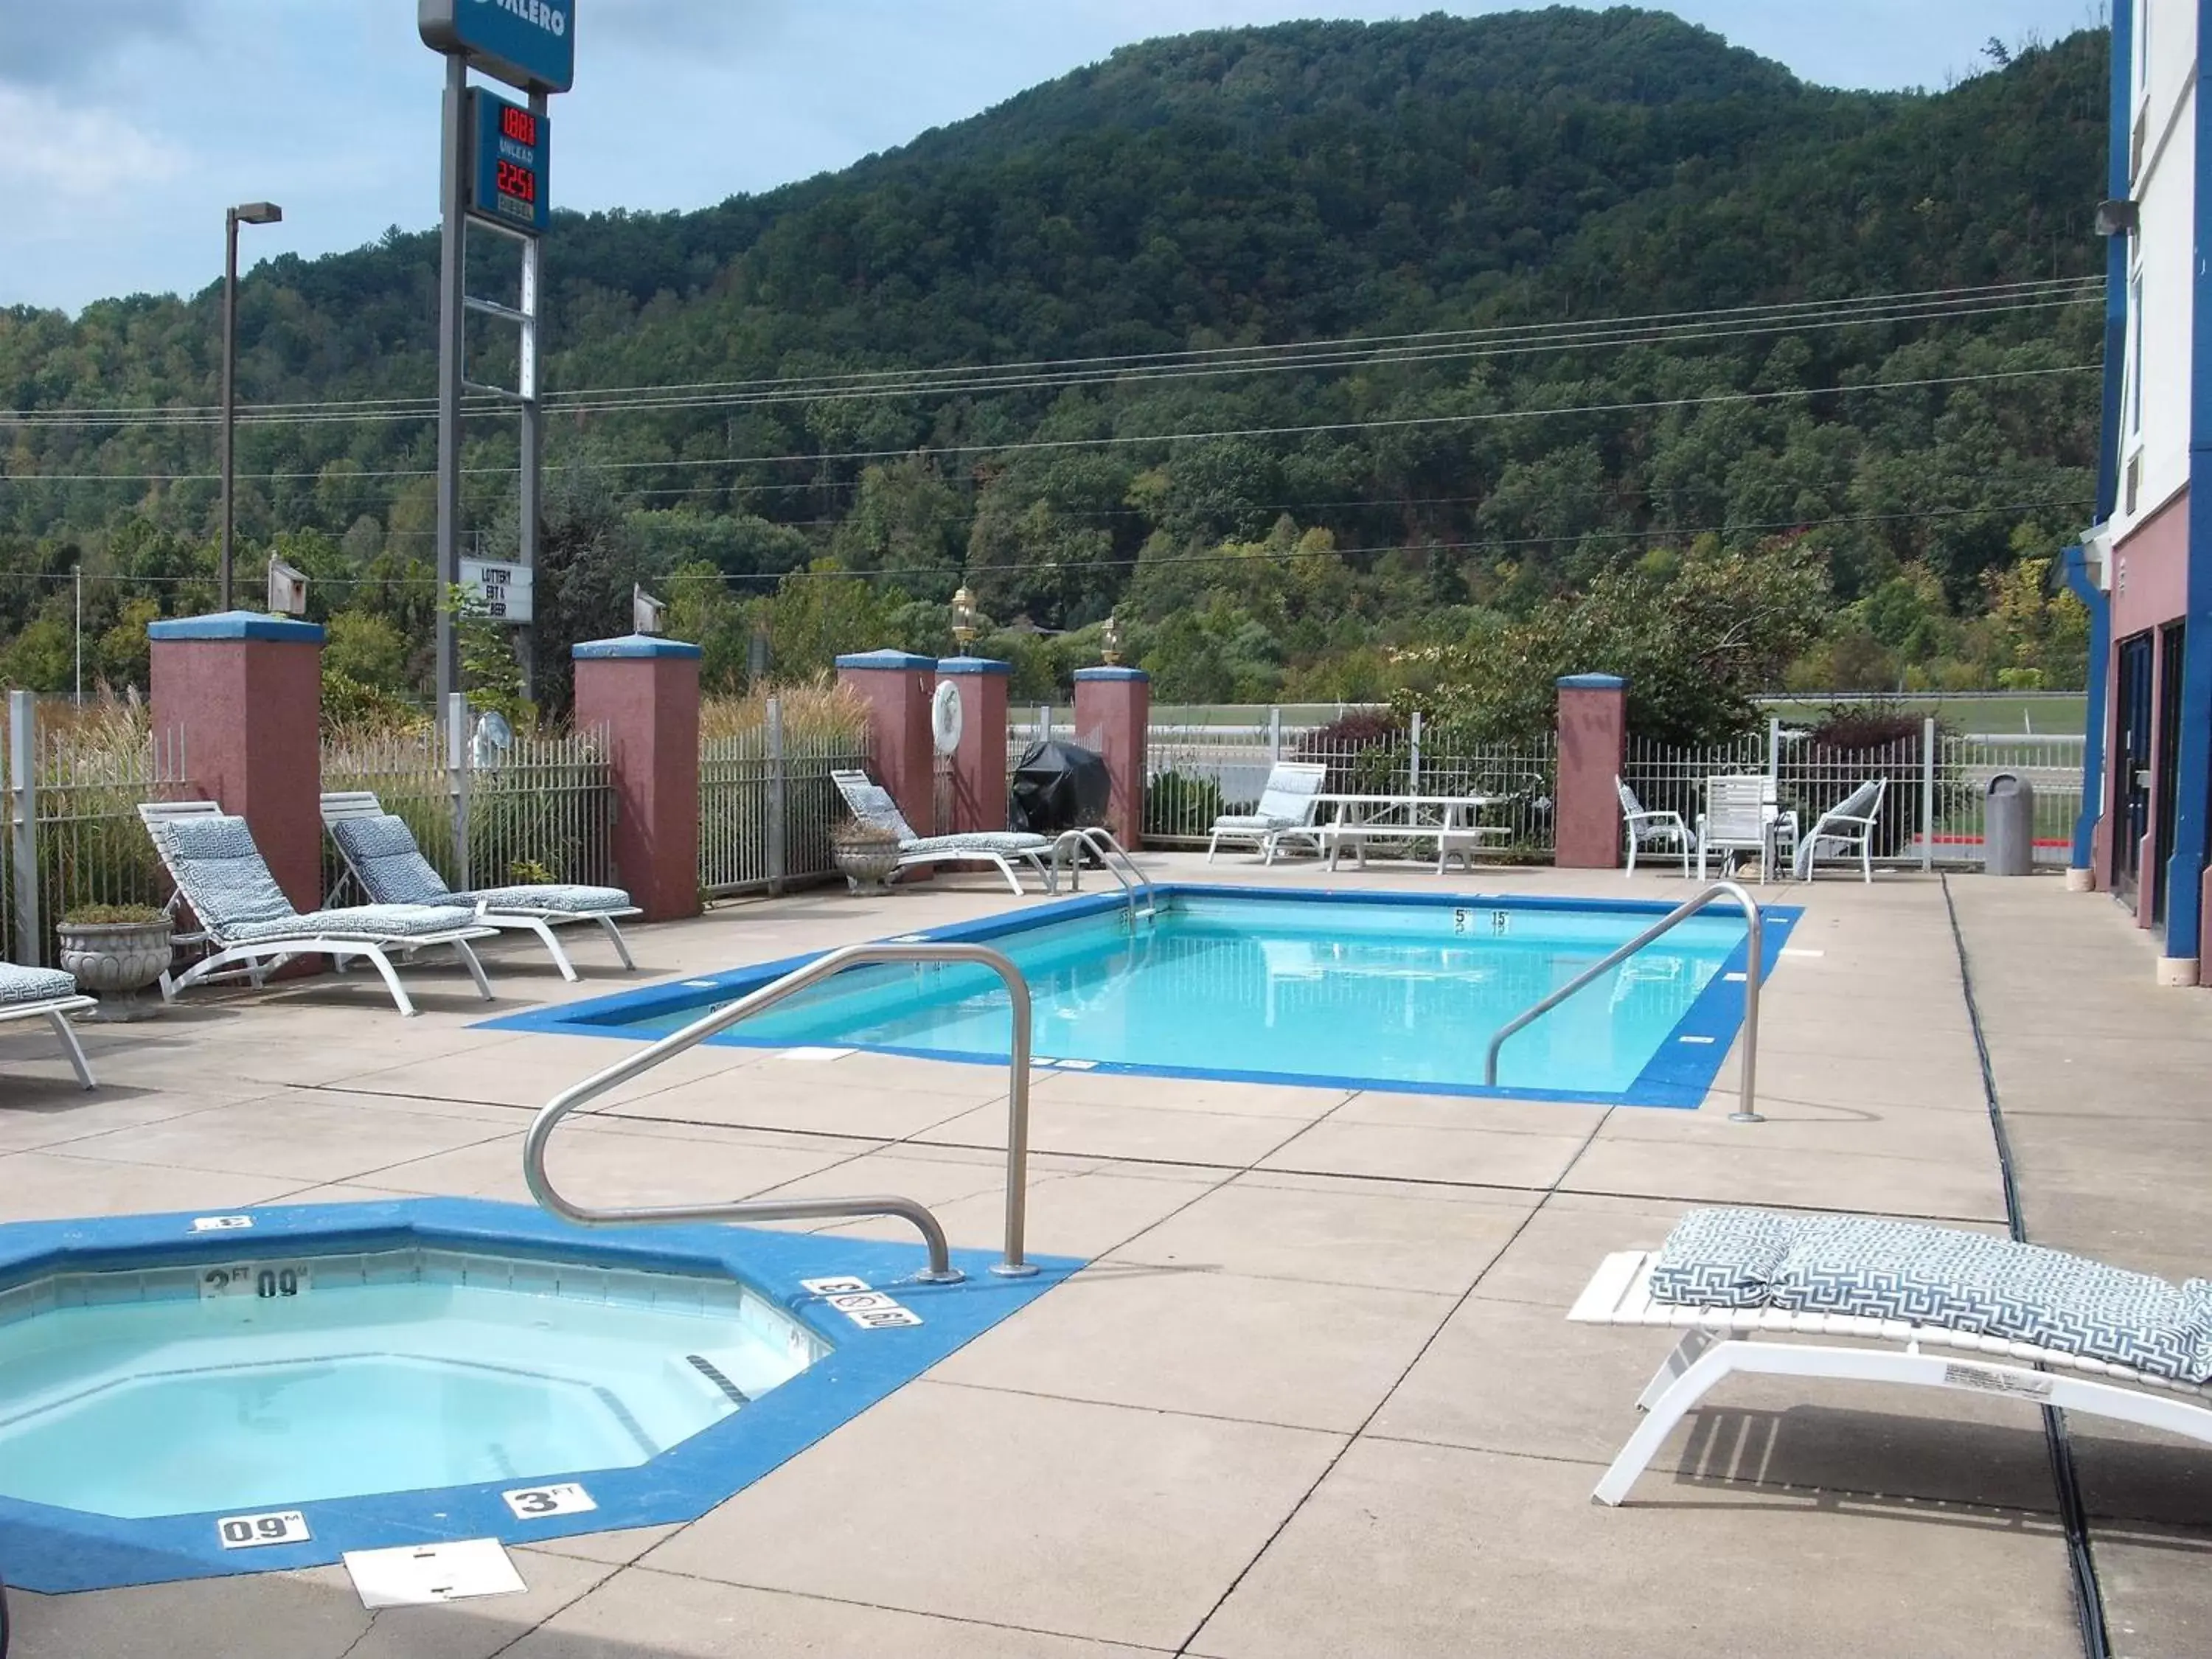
(1755, 955)
(1101, 841)
(825, 966)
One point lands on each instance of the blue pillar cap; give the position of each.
(1111, 674)
(238, 625)
(865, 659)
(1591, 682)
(632, 645)
(974, 665)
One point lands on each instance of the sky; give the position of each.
(126, 126)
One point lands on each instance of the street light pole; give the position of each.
(250, 213)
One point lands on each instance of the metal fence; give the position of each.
(535, 809)
(1196, 772)
(767, 806)
(1931, 814)
(74, 837)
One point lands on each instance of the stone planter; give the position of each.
(866, 866)
(116, 962)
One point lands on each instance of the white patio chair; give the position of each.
(381, 855)
(1646, 828)
(2016, 1318)
(222, 875)
(1285, 811)
(871, 802)
(50, 994)
(1741, 815)
(1844, 829)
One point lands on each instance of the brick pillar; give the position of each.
(644, 691)
(243, 692)
(978, 764)
(1593, 744)
(1113, 714)
(897, 686)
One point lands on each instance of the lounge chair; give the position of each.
(1285, 811)
(381, 853)
(1649, 829)
(871, 802)
(2018, 1317)
(255, 931)
(1742, 815)
(46, 994)
(1846, 827)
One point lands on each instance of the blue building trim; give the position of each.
(2185, 871)
(1590, 683)
(2100, 603)
(989, 665)
(899, 660)
(1111, 674)
(238, 625)
(2116, 267)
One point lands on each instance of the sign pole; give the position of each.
(533, 432)
(452, 322)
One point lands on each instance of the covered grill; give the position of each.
(1059, 786)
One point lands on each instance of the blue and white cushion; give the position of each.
(872, 805)
(382, 851)
(1974, 1283)
(982, 840)
(18, 986)
(220, 871)
(366, 922)
(566, 898)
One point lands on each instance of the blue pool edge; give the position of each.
(1678, 1077)
(53, 1550)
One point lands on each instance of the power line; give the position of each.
(1115, 440)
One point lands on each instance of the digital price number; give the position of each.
(507, 185)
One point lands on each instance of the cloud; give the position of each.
(47, 43)
(76, 153)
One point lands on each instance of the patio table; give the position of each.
(1451, 821)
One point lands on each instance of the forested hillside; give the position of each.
(1078, 351)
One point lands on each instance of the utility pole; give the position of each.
(247, 213)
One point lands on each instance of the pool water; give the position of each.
(1365, 992)
(185, 1390)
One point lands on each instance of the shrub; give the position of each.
(1878, 738)
(114, 915)
(1365, 751)
(1178, 804)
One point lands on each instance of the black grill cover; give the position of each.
(1059, 786)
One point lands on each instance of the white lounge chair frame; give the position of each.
(56, 1012)
(255, 960)
(915, 850)
(1649, 829)
(363, 804)
(1717, 1342)
(1847, 825)
(1742, 815)
(1294, 788)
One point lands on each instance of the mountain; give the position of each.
(1253, 188)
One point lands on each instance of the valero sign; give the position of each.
(530, 44)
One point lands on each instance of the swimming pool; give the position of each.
(186, 1396)
(1354, 990)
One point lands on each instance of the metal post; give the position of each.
(24, 796)
(1928, 794)
(1274, 735)
(1044, 722)
(229, 399)
(1774, 748)
(457, 782)
(1413, 759)
(779, 797)
(80, 635)
(533, 436)
(452, 271)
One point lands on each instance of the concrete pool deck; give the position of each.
(1314, 1395)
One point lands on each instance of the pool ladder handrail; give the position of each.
(1114, 858)
(1754, 958)
(826, 966)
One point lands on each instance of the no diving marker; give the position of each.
(868, 1308)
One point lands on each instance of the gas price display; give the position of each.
(507, 185)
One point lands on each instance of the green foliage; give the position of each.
(488, 670)
(113, 916)
(365, 649)
(1235, 188)
(1175, 802)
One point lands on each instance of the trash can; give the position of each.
(2008, 826)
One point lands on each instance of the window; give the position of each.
(2139, 70)
(2132, 397)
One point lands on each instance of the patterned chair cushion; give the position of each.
(22, 985)
(1723, 1258)
(383, 853)
(982, 840)
(358, 922)
(1969, 1282)
(561, 897)
(1255, 821)
(872, 804)
(220, 872)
